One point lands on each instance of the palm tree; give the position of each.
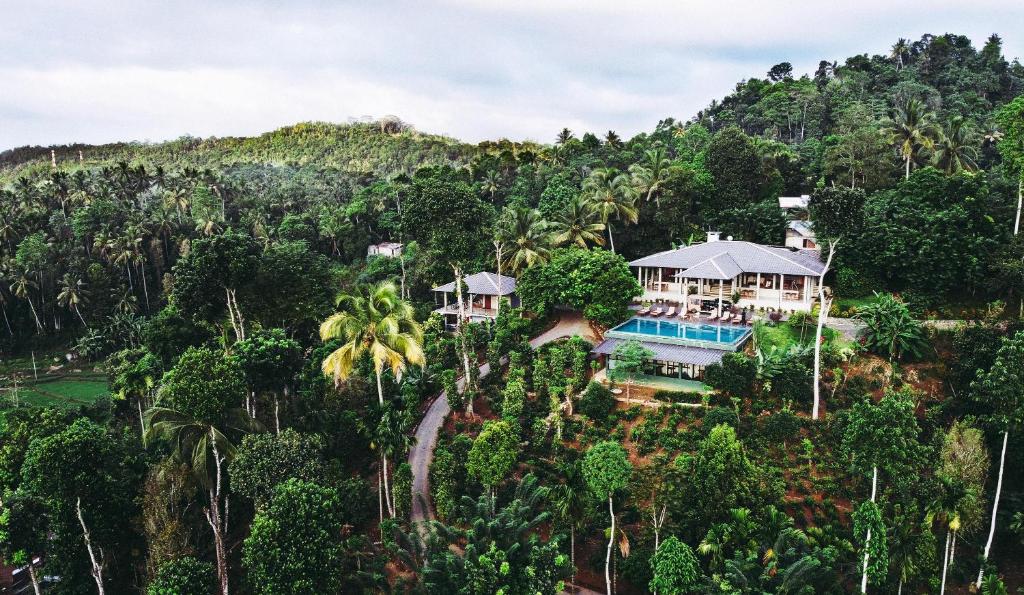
(206, 449)
(612, 195)
(22, 288)
(72, 295)
(649, 175)
(578, 224)
(957, 147)
(899, 49)
(564, 136)
(612, 139)
(491, 183)
(911, 128)
(951, 508)
(375, 320)
(526, 238)
(572, 504)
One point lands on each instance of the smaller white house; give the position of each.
(800, 234)
(389, 249)
(790, 203)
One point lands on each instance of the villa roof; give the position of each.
(803, 228)
(724, 259)
(680, 354)
(484, 283)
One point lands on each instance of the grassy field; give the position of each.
(58, 385)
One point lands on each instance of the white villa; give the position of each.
(481, 303)
(772, 278)
(389, 249)
(800, 234)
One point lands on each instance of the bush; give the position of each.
(720, 415)
(851, 283)
(597, 402)
(780, 427)
(675, 396)
(733, 376)
(184, 576)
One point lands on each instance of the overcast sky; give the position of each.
(98, 71)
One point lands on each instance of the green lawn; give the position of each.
(784, 334)
(66, 391)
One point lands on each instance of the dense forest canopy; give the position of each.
(266, 376)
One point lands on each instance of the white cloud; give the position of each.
(101, 71)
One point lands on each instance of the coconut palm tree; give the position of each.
(72, 295)
(613, 196)
(526, 238)
(374, 320)
(612, 139)
(911, 128)
(572, 504)
(491, 183)
(649, 175)
(899, 49)
(206, 449)
(953, 508)
(564, 136)
(578, 224)
(957, 147)
(22, 289)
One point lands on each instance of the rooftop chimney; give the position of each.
(713, 236)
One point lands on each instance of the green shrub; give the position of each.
(719, 415)
(597, 402)
(733, 376)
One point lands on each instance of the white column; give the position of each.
(779, 289)
(721, 287)
(659, 278)
(471, 304)
(445, 294)
(807, 286)
(757, 289)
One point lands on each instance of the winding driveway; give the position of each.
(422, 453)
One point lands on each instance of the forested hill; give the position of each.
(945, 72)
(383, 147)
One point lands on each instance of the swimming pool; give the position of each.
(682, 332)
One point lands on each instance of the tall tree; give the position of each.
(377, 322)
(1001, 388)
(525, 236)
(578, 223)
(911, 128)
(1011, 146)
(607, 469)
(613, 196)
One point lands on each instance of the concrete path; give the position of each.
(422, 454)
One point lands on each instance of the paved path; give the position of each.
(422, 454)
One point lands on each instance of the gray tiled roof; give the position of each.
(484, 283)
(717, 258)
(680, 354)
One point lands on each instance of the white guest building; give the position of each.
(773, 278)
(481, 295)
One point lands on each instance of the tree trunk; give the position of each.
(277, 415)
(80, 317)
(7, 320)
(611, 240)
(867, 538)
(945, 564)
(213, 517)
(97, 564)
(383, 457)
(462, 337)
(608, 555)
(995, 510)
(572, 551)
(145, 286)
(33, 577)
(907, 159)
(39, 325)
(497, 249)
(823, 308)
(380, 496)
(142, 420)
(1020, 200)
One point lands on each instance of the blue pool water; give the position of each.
(683, 330)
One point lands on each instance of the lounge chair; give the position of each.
(656, 311)
(671, 312)
(713, 316)
(644, 311)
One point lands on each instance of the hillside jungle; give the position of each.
(210, 388)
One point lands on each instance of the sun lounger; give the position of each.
(644, 311)
(713, 316)
(656, 311)
(671, 312)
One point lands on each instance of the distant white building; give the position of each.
(788, 203)
(800, 234)
(390, 249)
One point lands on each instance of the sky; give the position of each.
(102, 70)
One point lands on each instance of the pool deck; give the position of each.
(742, 332)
